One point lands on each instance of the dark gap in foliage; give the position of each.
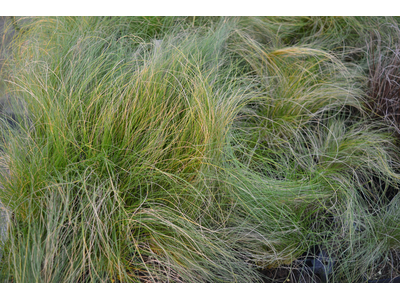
(384, 77)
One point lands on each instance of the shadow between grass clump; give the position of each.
(384, 84)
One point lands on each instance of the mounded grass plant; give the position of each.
(119, 156)
(306, 133)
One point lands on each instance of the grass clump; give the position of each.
(323, 164)
(114, 167)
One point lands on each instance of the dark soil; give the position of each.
(387, 271)
(288, 274)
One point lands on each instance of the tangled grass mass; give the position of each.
(199, 149)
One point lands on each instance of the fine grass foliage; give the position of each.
(115, 163)
(166, 149)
